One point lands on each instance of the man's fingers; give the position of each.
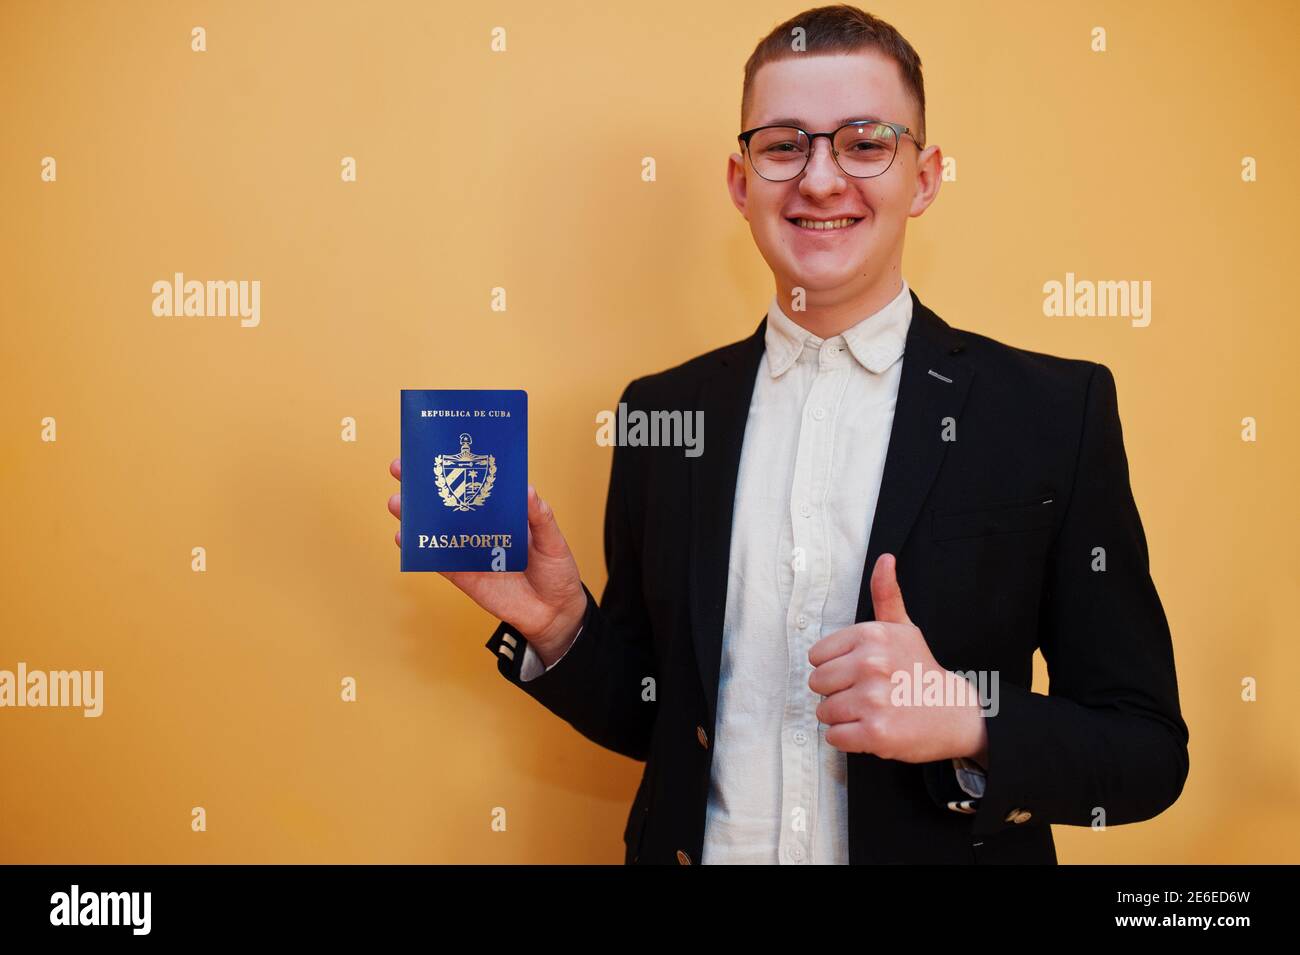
(458, 577)
(544, 532)
(833, 675)
(494, 591)
(395, 502)
(832, 645)
(838, 708)
(886, 597)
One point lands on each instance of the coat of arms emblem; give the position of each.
(464, 479)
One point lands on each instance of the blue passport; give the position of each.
(464, 480)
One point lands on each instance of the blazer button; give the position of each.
(702, 736)
(683, 858)
(1019, 815)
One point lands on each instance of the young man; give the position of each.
(889, 513)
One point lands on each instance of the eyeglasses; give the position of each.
(862, 150)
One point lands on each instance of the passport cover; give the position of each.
(464, 480)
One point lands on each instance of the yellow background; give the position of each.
(522, 169)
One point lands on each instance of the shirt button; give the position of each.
(796, 853)
(819, 413)
(802, 621)
(800, 737)
(805, 509)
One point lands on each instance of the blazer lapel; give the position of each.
(932, 387)
(724, 398)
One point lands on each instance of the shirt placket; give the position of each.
(800, 735)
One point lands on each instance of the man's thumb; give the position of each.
(545, 532)
(886, 597)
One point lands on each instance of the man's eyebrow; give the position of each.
(791, 121)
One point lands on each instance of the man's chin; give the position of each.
(812, 278)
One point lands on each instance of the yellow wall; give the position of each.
(222, 688)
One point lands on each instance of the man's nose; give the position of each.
(822, 173)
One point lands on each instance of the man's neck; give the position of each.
(827, 318)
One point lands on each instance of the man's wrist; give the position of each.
(978, 752)
(567, 625)
(973, 736)
(549, 654)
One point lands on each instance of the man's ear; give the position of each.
(929, 175)
(737, 184)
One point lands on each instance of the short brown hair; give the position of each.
(839, 29)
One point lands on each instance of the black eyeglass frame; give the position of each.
(899, 132)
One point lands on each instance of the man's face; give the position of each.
(820, 93)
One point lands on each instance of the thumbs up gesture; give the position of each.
(865, 675)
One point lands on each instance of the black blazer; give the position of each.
(997, 535)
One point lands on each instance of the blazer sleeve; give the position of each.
(604, 685)
(1108, 737)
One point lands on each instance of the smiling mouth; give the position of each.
(824, 225)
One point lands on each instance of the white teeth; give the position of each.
(823, 226)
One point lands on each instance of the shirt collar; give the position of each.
(876, 341)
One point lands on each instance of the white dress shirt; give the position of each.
(810, 469)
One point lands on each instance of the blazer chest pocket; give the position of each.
(1008, 517)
